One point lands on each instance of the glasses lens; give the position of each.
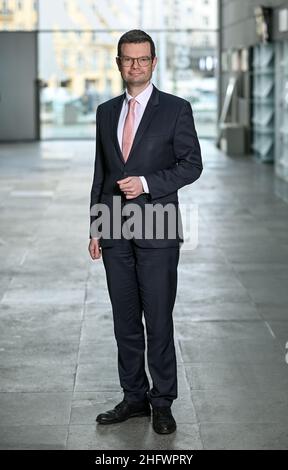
(126, 61)
(144, 61)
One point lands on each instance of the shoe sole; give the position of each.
(139, 414)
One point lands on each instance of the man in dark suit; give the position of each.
(146, 149)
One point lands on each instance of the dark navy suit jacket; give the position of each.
(165, 151)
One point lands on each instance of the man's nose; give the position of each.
(135, 64)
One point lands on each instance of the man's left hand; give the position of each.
(131, 186)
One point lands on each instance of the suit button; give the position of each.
(124, 173)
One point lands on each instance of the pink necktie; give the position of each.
(128, 131)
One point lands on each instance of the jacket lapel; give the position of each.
(115, 114)
(146, 119)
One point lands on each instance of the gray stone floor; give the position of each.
(57, 351)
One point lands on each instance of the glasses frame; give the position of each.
(135, 58)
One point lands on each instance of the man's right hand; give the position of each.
(94, 249)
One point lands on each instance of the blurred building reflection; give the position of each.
(77, 47)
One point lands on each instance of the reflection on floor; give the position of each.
(57, 351)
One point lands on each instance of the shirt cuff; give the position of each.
(144, 184)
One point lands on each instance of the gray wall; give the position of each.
(18, 87)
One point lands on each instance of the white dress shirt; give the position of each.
(142, 100)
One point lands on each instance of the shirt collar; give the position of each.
(143, 97)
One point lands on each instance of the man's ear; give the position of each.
(118, 64)
(154, 62)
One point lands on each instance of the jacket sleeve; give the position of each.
(98, 177)
(187, 151)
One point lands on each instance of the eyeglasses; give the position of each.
(128, 61)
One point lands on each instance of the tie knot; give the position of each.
(132, 102)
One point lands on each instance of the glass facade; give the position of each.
(77, 46)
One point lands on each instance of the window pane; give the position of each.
(76, 74)
(88, 14)
(126, 14)
(190, 72)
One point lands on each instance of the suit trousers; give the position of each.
(144, 280)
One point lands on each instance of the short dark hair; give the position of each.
(136, 36)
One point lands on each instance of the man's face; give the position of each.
(136, 74)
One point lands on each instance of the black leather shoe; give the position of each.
(163, 421)
(123, 411)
